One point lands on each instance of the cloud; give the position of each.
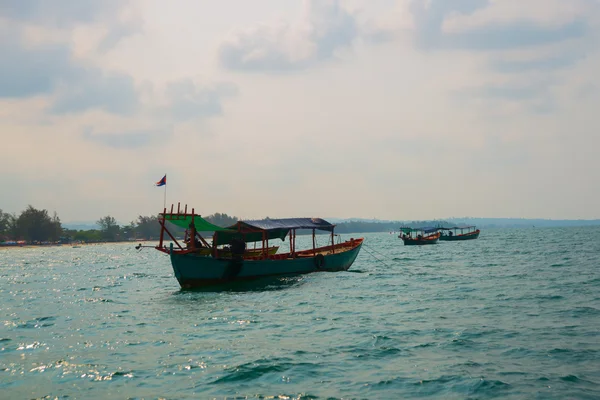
(93, 88)
(548, 63)
(117, 32)
(514, 91)
(73, 86)
(500, 34)
(429, 17)
(188, 100)
(373, 117)
(107, 21)
(126, 140)
(526, 51)
(60, 13)
(324, 28)
(49, 69)
(29, 71)
(514, 35)
(42, 63)
(512, 95)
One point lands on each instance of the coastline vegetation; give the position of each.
(36, 227)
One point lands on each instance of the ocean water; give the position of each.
(512, 315)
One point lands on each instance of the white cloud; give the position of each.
(543, 13)
(324, 28)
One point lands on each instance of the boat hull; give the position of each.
(419, 242)
(247, 254)
(433, 239)
(193, 271)
(466, 236)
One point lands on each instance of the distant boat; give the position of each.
(456, 233)
(194, 266)
(419, 236)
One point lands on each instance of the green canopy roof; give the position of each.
(200, 223)
(248, 231)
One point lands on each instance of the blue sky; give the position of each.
(406, 109)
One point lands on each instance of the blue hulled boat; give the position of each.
(229, 258)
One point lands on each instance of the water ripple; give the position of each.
(510, 315)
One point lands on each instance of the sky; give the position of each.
(405, 109)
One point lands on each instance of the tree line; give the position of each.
(34, 226)
(38, 226)
(31, 225)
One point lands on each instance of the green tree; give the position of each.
(222, 220)
(7, 222)
(129, 231)
(147, 227)
(13, 229)
(36, 225)
(89, 236)
(56, 229)
(109, 228)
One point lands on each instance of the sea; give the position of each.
(514, 314)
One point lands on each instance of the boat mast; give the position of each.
(293, 232)
(192, 230)
(162, 227)
(332, 242)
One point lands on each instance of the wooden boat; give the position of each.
(419, 236)
(249, 253)
(193, 267)
(466, 233)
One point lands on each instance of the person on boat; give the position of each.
(419, 237)
(450, 233)
(187, 239)
(192, 237)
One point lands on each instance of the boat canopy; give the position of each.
(425, 229)
(286, 223)
(184, 221)
(253, 230)
(457, 227)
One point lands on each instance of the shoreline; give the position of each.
(74, 245)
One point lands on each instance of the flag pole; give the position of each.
(165, 198)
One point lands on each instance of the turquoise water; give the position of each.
(514, 314)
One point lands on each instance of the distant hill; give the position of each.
(522, 222)
(356, 225)
(342, 220)
(364, 226)
(80, 225)
(359, 225)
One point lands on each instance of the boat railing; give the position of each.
(325, 250)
